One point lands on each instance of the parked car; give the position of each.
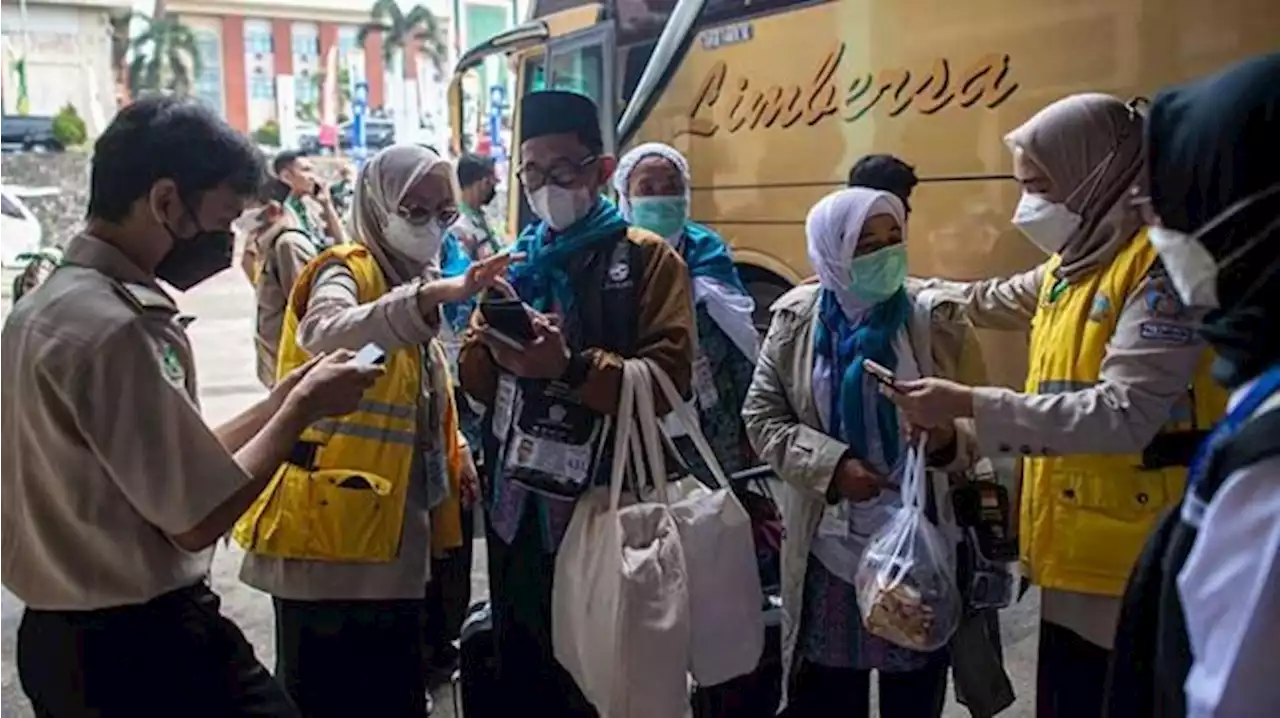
(21, 239)
(20, 231)
(29, 133)
(378, 134)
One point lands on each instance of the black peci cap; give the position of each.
(557, 112)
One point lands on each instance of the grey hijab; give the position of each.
(380, 186)
(1090, 146)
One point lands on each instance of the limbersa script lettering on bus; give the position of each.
(726, 103)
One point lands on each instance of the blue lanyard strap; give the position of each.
(1262, 389)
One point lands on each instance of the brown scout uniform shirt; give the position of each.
(282, 254)
(105, 454)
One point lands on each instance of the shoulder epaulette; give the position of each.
(144, 298)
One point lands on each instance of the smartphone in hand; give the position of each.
(370, 355)
(881, 374)
(508, 321)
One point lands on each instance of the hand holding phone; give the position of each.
(881, 374)
(508, 321)
(370, 355)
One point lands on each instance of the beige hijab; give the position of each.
(1090, 146)
(381, 185)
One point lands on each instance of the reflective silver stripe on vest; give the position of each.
(333, 427)
(395, 411)
(1063, 386)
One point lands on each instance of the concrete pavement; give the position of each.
(223, 338)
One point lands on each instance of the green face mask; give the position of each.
(664, 216)
(876, 276)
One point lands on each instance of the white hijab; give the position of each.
(632, 159)
(832, 231)
(731, 310)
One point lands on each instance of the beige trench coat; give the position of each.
(782, 422)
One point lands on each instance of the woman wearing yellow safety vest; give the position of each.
(1117, 392)
(341, 536)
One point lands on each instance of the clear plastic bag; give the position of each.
(906, 579)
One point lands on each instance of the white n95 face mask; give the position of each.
(1192, 269)
(561, 207)
(1047, 224)
(418, 242)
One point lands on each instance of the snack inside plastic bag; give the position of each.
(906, 580)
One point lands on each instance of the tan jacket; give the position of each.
(783, 423)
(283, 251)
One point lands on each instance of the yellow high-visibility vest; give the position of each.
(341, 496)
(1085, 518)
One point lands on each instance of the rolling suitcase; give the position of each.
(475, 683)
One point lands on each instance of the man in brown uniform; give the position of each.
(283, 249)
(115, 490)
(602, 292)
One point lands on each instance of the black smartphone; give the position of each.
(508, 321)
(275, 191)
(880, 373)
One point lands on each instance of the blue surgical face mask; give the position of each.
(664, 216)
(874, 277)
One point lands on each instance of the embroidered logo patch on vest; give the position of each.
(1162, 299)
(172, 366)
(1100, 309)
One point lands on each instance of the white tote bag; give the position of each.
(725, 598)
(620, 603)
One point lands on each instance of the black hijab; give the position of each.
(1213, 145)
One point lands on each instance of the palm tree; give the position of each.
(398, 27)
(166, 57)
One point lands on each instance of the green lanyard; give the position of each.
(304, 217)
(1057, 289)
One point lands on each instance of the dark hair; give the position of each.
(284, 159)
(474, 168)
(162, 137)
(887, 174)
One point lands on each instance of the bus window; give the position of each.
(580, 70)
(634, 60)
(535, 75)
(535, 78)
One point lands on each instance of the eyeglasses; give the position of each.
(419, 216)
(562, 173)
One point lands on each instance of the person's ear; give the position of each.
(164, 204)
